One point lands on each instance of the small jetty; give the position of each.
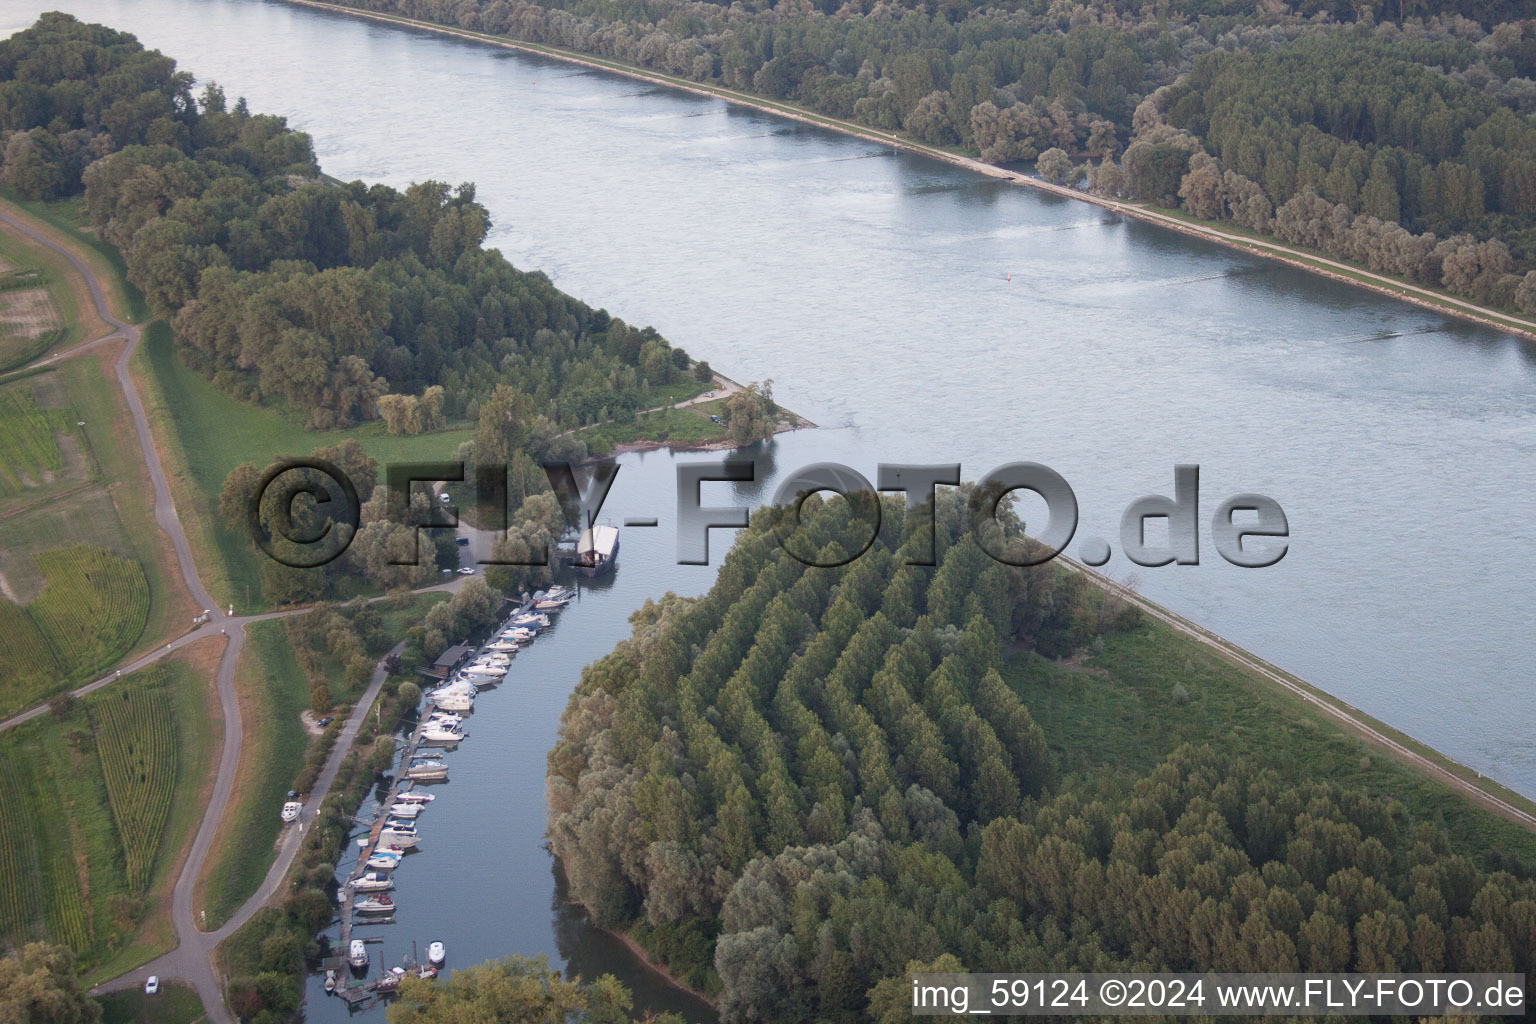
(362, 992)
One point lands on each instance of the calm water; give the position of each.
(873, 288)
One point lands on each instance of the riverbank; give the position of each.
(656, 967)
(1250, 243)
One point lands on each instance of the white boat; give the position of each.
(432, 771)
(597, 550)
(412, 797)
(372, 881)
(483, 677)
(400, 826)
(440, 734)
(357, 954)
(406, 811)
(454, 702)
(384, 861)
(436, 953)
(551, 604)
(522, 634)
(374, 904)
(291, 811)
(402, 839)
(445, 718)
(491, 660)
(330, 981)
(460, 685)
(506, 647)
(532, 620)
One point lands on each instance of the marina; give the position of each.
(364, 899)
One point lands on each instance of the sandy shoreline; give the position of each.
(1279, 252)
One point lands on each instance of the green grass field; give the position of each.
(207, 433)
(690, 425)
(273, 692)
(1122, 711)
(174, 1004)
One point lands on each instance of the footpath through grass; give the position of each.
(272, 692)
(68, 218)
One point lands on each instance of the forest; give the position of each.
(344, 302)
(1398, 136)
(808, 782)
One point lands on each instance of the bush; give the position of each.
(320, 699)
(702, 373)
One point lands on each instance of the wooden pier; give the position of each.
(359, 991)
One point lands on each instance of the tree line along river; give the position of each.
(923, 313)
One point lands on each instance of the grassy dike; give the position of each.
(272, 691)
(1218, 232)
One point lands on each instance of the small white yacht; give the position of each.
(531, 620)
(440, 735)
(506, 647)
(406, 811)
(372, 881)
(413, 797)
(384, 861)
(427, 771)
(357, 954)
(379, 904)
(436, 953)
(291, 811)
(453, 701)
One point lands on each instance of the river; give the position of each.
(920, 312)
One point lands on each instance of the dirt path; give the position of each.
(191, 961)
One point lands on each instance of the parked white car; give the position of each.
(152, 985)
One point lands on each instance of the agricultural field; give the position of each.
(136, 740)
(30, 456)
(90, 612)
(99, 796)
(31, 321)
(71, 477)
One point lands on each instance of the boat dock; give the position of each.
(358, 991)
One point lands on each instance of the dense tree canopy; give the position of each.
(514, 990)
(804, 781)
(38, 986)
(345, 302)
